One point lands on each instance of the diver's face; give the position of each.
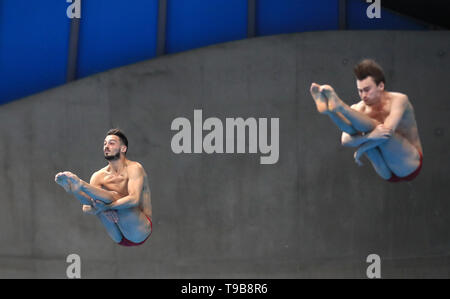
(112, 147)
(369, 91)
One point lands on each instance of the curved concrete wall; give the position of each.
(314, 213)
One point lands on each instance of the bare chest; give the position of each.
(380, 113)
(116, 183)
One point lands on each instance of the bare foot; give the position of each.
(334, 102)
(69, 181)
(62, 180)
(319, 98)
(74, 181)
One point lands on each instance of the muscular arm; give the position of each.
(135, 184)
(398, 108)
(378, 135)
(353, 140)
(384, 131)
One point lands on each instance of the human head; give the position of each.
(370, 81)
(115, 144)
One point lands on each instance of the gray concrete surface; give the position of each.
(315, 213)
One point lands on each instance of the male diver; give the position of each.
(382, 125)
(119, 193)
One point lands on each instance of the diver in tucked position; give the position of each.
(119, 194)
(382, 125)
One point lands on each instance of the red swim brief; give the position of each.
(128, 243)
(412, 176)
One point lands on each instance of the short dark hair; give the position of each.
(119, 134)
(368, 67)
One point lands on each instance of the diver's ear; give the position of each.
(123, 149)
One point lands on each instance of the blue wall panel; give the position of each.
(34, 35)
(198, 23)
(289, 16)
(114, 33)
(34, 39)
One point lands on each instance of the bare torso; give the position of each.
(407, 126)
(133, 222)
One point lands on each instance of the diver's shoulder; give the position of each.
(98, 175)
(398, 96)
(136, 167)
(359, 106)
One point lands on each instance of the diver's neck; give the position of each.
(118, 165)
